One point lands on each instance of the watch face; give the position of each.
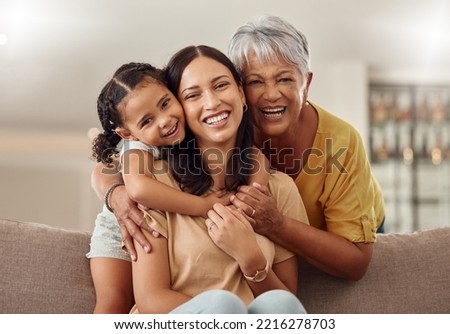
(260, 276)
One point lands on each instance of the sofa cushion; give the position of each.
(44, 269)
(409, 273)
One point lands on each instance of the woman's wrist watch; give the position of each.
(260, 274)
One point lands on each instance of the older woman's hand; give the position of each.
(131, 221)
(257, 203)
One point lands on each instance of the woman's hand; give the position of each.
(257, 202)
(131, 220)
(232, 232)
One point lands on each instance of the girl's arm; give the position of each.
(151, 280)
(144, 189)
(261, 168)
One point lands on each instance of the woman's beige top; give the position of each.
(196, 263)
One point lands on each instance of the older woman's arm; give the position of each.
(326, 251)
(129, 217)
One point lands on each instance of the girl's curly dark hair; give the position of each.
(125, 79)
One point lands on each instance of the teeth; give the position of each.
(273, 115)
(171, 130)
(216, 119)
(273, 110)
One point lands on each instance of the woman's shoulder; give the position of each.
(279, 182)
(278, 177)
(333, 126)
(285, 192)
(329, 121)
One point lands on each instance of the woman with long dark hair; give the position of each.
(217, 265)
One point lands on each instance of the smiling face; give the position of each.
(151, 114)
(212, 102)
(276, 94)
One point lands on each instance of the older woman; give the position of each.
(322, 153)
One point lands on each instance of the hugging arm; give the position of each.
(145, 189)
(326, 251)
(142, 188)
(129, 217)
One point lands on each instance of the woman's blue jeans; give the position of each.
(225, 302)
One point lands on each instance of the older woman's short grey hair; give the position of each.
(272, 39)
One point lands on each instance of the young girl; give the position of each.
(136, 106)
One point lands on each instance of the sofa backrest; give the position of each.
(44, 270)
(409, 273)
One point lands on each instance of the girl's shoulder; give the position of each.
(128, 145)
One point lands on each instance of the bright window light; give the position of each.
(3, 39)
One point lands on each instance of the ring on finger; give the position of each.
(253, 212)
(210, 226)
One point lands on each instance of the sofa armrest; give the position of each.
(44, 269)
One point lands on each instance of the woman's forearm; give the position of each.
(152, 281)
(326, 251)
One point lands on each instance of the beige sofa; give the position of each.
(44, 270)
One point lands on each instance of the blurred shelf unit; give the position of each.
(410, 153)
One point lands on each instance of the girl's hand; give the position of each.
(232, 232)
(258, 204)
(219, 196)
(131, 220)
